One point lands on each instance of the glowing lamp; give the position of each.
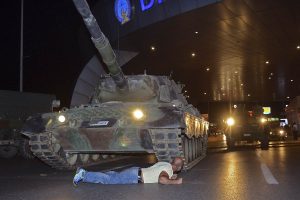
(230, 121)
(61, 118)
(138, 114)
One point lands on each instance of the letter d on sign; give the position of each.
(147, 5)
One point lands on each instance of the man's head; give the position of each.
(177, 164)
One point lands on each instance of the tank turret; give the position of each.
(102, 44)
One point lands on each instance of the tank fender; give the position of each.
(35, 124)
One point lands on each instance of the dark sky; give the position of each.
(52, 59)
(10, 46)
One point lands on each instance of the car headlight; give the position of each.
(263, 120)
(138, 114)
(61, 118)
(230, 121)
(281, 132)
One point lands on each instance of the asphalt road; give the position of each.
(246, 173)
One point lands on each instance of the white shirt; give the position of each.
(151, 174)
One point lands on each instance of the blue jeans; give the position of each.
(128, 176)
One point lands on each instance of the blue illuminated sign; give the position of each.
(123, 10)
(147, 4)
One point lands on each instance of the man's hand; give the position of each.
(179, 181)
(174, 177)
(165, 180)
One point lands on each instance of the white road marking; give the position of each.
(270, 179)
(258, 154)
(268, 175)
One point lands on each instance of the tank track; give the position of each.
(167, 144)
(170, 143)
(44, 147)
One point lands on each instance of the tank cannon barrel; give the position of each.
(102, 44)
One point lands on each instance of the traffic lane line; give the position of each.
(270, 179)
(268, 175)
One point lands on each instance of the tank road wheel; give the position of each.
(104, 156)
(197, 147)
(194, 148)
(84, 158)
(201, 146)
(190, 150)
(71, 158)
(95, 157)
(186, 149)
(8, 151)
(204, 145)
(24, 149)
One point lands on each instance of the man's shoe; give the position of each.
(78, 176)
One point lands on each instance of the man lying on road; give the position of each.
(161, 172)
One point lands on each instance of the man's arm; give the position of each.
(165, 180)
(174, 176)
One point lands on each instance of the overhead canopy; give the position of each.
(241, 50)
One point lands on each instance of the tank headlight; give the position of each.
(281, 132)
(230, 121)
(138, 114)
(61, 118)
(263, 120)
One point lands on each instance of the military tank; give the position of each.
(127, 114)
(247, 126)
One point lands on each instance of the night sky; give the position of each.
(52, 57)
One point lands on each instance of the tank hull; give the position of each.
(111, 129)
